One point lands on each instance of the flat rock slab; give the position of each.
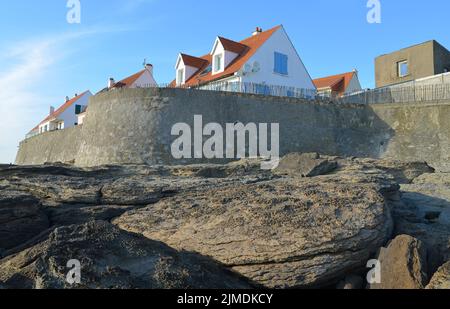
(281, 233)
(112, 258)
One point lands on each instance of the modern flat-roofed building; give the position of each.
(411, 63)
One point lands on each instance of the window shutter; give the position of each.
(285, 64)
(277, 62)
(281, 63)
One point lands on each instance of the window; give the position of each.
(281, 64)
(218, 63)
(180, 77)
(403, 69)
(77, 109)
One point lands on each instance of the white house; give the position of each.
(141, 79)
(266, 58)
(65, 116)
(338, 85)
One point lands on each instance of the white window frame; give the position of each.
(399, 68)
(180, 76)
(219, 62)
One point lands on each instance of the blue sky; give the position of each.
(43, 58)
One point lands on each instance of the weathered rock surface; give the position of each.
(305, 165)
(21, 218)
(425, 213)
(281, 233)
(441, 279)
(111, 258)
(276, 229)
(403, 264)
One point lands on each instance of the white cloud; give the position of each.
(18, 103)
(20, 99)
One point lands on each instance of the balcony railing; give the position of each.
(394, 94)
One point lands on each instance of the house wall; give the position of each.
(68, 116)
(145, 80)
(279, 42)
(441, 59)
(440, 79)
(354, 85)
(188, 71)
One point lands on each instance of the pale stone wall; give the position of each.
(134, 126)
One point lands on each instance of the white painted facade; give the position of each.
(264, 58)
(184, 72)
(354, 85)
(146, 80)
(81, 118)
(66, 119)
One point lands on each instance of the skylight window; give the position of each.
(207, 70)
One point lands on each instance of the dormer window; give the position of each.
(224, 52)
(218, 63)
(186, 67)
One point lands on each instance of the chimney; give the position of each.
(149, 67)
(76, 95)
(111, 83)
(52, 110)
(257, 31)
(67, 99)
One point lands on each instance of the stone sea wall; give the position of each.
(133, 126)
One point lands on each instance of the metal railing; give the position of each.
(393, 94)
(396, 94)
(249, 88)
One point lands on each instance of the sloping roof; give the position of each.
(193, 61)
(337, 83)
(60, 110)
(252, 44)
(127, 82)
(232, 46)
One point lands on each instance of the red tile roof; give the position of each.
(193, 61)
(337, 83)
(252, 44)
(60, 110)
(232, 46)
(127, 82)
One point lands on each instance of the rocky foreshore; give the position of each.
(314, 222)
